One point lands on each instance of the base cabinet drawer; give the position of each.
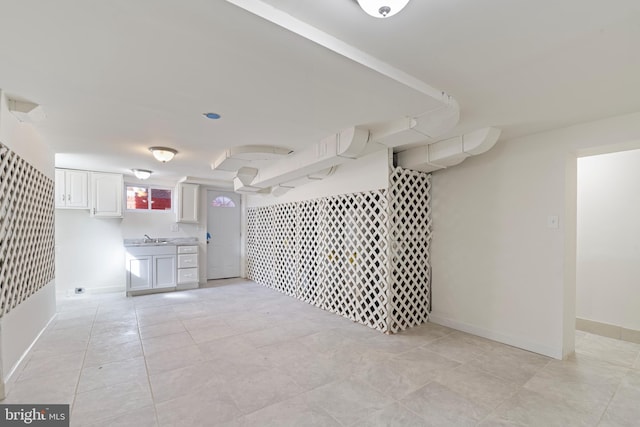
(187, 275)
(188, 261)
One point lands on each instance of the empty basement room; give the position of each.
(338, 213)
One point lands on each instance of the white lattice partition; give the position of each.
(410, 239)
(26, 230)
(364, 256)
(310, 258)
(260, 245)
(285, 248)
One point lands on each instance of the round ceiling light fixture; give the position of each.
(212, 116)
(382, 8)
(141, 173)
(163, 154)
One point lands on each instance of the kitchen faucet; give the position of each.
(147, 237)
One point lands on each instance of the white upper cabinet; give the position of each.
(106, 195)
(72, 189)
(187, 201)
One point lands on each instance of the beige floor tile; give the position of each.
(316, 371)
(167, 342)
(197, 409)
(143, 417)
(110, 402)
(394, 415)
(170, 360)
(440, 406)
(511, 364)
(131, 370)
(580, 379)
(458, 347)
(623, 410)
(204, 322)
(478, 386)
(198, 378)
(210, 333)
(288, 363)
(54, 388)
(40, 366)
(348, 401)
(160, 329)
(102, 354)
(293, 412)
(613, 351)
(260, 389)
(405, 373)
(532, 409)
(227, 348)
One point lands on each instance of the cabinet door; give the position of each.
(76, 187)
(139, 274)
(188, 202)
(61, 195)
(107, 195)
(164, 271)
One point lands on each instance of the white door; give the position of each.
(223, 224)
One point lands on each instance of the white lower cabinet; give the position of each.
(187, 266)
(150, 267)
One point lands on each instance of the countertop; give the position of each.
(161, 241)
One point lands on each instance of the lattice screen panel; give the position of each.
(363, 256)
(310, 255)
(285, 248)
(26, 230)
(410, 237)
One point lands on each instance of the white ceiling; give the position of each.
(116, 77)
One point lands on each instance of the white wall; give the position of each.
(22, 325)
(90, 252)
(608, 267)
(370, 172)
(498, 270)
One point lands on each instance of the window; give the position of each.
(148, 198)
(223, 202)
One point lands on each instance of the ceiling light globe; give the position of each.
(163, 154)
(141, 173)
(382, 8)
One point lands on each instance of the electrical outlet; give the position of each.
(79, 290)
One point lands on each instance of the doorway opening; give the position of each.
(608, 245)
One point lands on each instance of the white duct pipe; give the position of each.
(331, 151)
(448, 152)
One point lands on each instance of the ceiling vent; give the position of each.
(25, 111)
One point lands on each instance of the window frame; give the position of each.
(149, 188)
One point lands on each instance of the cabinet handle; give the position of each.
(68, 197)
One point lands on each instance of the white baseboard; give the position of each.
(511, 340)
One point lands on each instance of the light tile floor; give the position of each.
(238, 354)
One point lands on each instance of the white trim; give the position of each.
(17, 364)
(512, 340)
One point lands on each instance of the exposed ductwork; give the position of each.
(448, 152)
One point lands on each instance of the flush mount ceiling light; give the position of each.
(163, 154)
(141, 173)
(382, 8)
